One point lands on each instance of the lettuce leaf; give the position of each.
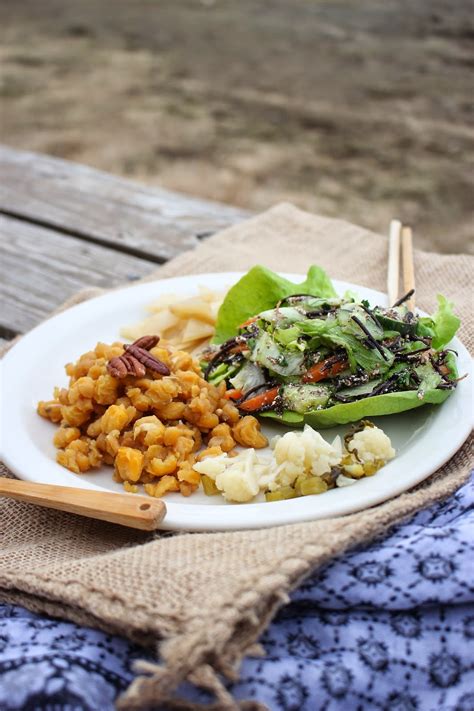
(442, 326)
(341, 414)
(260, 289)
(329, 332)
(446, 323)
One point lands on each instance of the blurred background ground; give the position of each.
(354, 109)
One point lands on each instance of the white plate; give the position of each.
(424, 438)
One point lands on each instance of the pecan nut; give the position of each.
(134, 366)
(136, 359)
(147, 359)
(146, 342)
(117, 367)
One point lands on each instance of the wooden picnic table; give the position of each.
(65, 226)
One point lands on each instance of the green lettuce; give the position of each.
(342, 413)
(330, 333)
(260, 289)
(442, 326)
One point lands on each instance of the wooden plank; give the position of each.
(149, 222)
(41, 269)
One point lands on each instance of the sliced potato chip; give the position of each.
(209, 295)
(189, 346)
(163, 302)
(162, 321)
(173, 335)
(215, 306)
(156, 324)
(131, 333)
(186, 323)
(196, 330)
(193, 308)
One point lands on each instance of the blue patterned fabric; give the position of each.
(390, 626)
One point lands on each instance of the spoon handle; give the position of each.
(145, 513)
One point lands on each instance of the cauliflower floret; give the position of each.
(320, 456)
(239, 480)
(306, 452)
(212, 466)
(289, 456)
(372, 444)
(296, 454)
(267, 474)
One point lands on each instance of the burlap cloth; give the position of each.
(204, 599)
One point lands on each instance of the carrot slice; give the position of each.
(259, 401)
(325, 369)
(250, 320)
(233, 394)
(239, 348)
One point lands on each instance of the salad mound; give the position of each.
(324, 360)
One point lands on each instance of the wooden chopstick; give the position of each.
(408, 265)
(393, 271)
(400, 236)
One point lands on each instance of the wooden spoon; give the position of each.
(130, 510)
